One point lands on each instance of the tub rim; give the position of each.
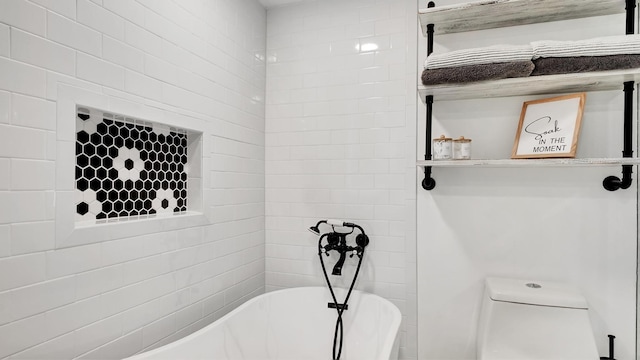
(385, 351)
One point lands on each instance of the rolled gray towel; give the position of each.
(578, 64)
(480, 72)
(481, 55)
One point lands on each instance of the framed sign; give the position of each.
(549, 128)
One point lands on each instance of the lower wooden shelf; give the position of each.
(532, 85)
(530, 162)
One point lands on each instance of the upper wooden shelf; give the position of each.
(489, 14)
(573, 162)
(532, 85)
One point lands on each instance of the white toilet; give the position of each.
(531, 320)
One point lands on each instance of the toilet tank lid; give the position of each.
(543, 293)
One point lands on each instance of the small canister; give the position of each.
(442, 149)
(462, 149)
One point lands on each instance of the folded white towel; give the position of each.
(601, 46)
(477, 56)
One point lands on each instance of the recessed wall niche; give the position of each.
(128, 168)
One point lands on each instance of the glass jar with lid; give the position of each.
(442, 148)
(462, 148)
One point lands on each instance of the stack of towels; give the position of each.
(537, 58)
(598, 54)
(478, 64)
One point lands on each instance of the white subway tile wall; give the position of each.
(109, 300)
(4, 40)
(340, 125)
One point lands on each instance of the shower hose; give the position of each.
(338, 330)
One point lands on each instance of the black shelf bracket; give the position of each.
(630, 7)
(428, 183)
(613, 183)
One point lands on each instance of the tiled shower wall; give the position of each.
(203, 59)
(340, 125)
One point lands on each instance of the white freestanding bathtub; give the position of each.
(293, 324)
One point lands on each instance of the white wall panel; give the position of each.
(539, 224)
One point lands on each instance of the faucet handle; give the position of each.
(362, 240)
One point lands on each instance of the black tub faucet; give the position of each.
(338, 241)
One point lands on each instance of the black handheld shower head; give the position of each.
(362, 239)
(316, 229)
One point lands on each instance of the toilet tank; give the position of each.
(533, 320)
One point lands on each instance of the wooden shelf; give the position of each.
(488, 14)
(532, 85)
(530, 162)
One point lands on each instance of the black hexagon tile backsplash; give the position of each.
(128, 167)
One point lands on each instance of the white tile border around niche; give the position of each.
(68, 232)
